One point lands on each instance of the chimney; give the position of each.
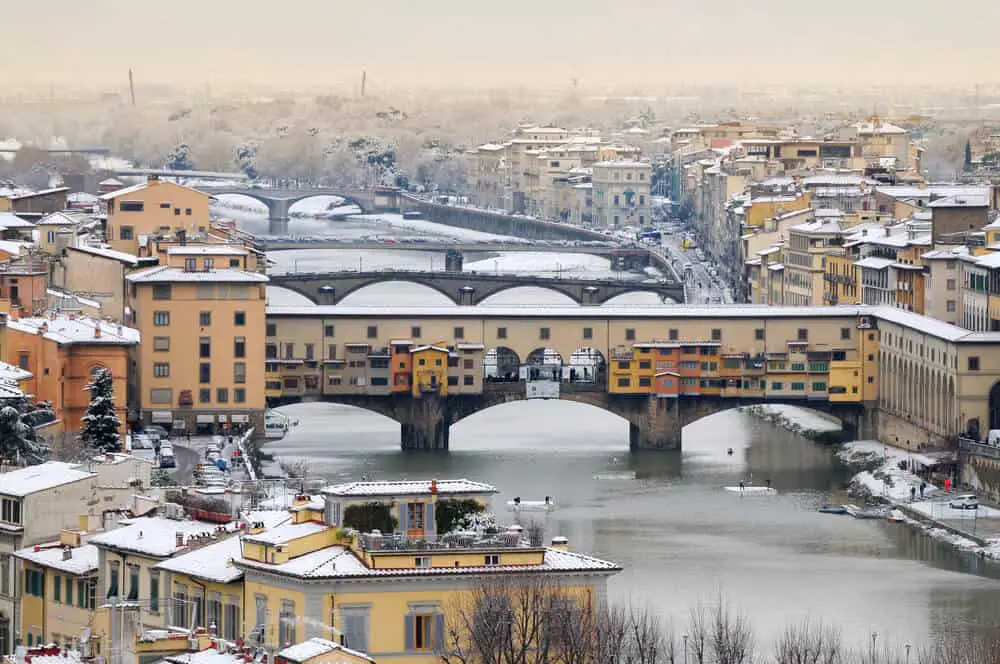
(179, 538)
(434, 486)
(67, 553)
(97, 331)
(560, 543)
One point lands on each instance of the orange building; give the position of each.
(401, 367)
(63, 352)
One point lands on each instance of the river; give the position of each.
(681, 538)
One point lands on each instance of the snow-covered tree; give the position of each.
(179, 159)
(17, 439)
(100, 424)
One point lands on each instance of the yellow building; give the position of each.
(215, 315)
(321, 651)
(805, 257)
(388, 595)
(762, 208)
(153, 208)
(60, 585)
(430, 369)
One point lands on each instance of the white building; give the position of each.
(621, 193)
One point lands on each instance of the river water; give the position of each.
(681, 538)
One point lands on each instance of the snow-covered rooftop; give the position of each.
(210, 562)
(286, 533)
(207, 656)
(82, 559)
(139, 187)
(961, 200)
(152, 535)
(314, 647)
(340, 562)
(623, 164)
(946, 253)
(878, 127)
(11, 220)
(206, 250)
(68, 329)
(26, 481)
(14, 248)
(914, 191)
(819, 226)
(875, 263)
(408, 488)
(164, 274)
(119, 256)
(57, 219)
(12, 372)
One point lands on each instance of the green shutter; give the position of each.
(439, 632)
(430, 526)
(404, 517)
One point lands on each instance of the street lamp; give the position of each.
(685, 638)
(907, 646)
(874, 639)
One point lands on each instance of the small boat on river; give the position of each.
(832, 509)
(518, 505)
(751, 490)
(865, 512)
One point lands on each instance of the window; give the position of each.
(133, 582)
(819, 387)
(491, 559)
(588, 333)
(415, 331)
(161, 318)
(190, 264)
(845, 333)
(239, 347)
(164, 206)
(260, 617)
(34, 582)
(239, 372)
(973, 363)
(624, 382)
(161, 395)
(423, 631)
(950, 306)
(5, 574)
(355, 623)
(630, 334)
(468, 380)
(57, 588)
(501, 333)
(24, 361)
(415, 516)
(113, 569)
(239, 318)
(180, 608)
(161, 291)
(222, 395)
(459, 332)
(672, 334)
(798, 387)
(161, 369)
(271, 329)
(10, 510)
(205, 318)
(239, 395)
(205, 347)
(544, 333)
(289, 351)
(716, 334)
(231, 618)
(234, 262)
(645, 381)
(758, 334)
(126, 233)
(69, 591)
(777, 386)
(310, 352)
(154, 591)
(803, 334)
(328, 330)
(950, 284)
(372, 331)
(204, 395)
(286, 624)
(204, 373)
(187, 212)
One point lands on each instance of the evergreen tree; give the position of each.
(968, 155)
(17, 439)
(100, 424)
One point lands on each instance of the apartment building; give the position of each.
(621, 193)
(211, 312)
(943, 281)
(804, 259)
(63, 352)
(152, 208)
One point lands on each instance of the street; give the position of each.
(700, 286)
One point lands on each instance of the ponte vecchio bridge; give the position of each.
(883, 372)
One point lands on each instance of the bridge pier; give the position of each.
(656, 425)
(424, 424)
(277, 226)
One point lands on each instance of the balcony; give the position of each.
(513, 538)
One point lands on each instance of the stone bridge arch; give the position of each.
(280, 201)
(654, 423)
(317, 288)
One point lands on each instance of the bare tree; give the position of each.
(809, 643)
(718, 634)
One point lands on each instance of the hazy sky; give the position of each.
(499, 42)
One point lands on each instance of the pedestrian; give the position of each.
(923, 485)
(741, 485)
(913, 493)
(768, 482)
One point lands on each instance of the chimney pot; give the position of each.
(179, 538)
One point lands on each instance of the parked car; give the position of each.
(167, 459)
(157, 431)
(966, 501)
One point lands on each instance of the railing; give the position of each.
(979, 449)
(400, 542)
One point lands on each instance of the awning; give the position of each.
(162, 416)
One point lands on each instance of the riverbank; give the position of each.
(882, 473)
(806, 423)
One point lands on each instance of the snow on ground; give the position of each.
(424, 226)
(800, 420)
(577, 266)
(939, 510)
(886, 478)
